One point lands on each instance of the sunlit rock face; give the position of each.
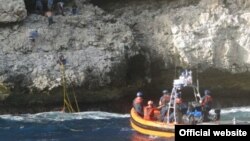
(12, 11)
(209, 33)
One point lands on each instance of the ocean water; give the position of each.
(84, 126)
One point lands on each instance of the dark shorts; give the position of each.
(138, 109)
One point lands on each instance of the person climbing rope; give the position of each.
(61, 60)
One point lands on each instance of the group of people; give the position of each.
(147, 112)
(51, 6)
(42, 5)
(47, 8)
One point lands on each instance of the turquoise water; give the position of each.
(84, 126)
(240, 113)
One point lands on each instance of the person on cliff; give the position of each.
(39, 6)
(50, 4)
(61, 60)
(138, 103)
(49, 14)
(32, 37)
(74, 9)
(60, 7)
(206, 104)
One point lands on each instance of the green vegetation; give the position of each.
(4, 91)
(220, 79)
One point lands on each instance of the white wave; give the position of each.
(125, 129)
(100, 115)
(94, 115)
(61, 116)
(12, 117)
(235, 110)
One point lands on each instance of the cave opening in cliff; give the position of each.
(110, 5)
(31, 5)
(136, 69)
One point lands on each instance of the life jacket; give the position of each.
(148, 113)
(165, 99)
(207, 100)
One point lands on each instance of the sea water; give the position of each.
(84, 126)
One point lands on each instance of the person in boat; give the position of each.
(206, 104)
(163, 104)
(178, 111)
(138, 103)
(149, 111)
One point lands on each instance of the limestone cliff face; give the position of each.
(115, 42)
(94, 44)
(12, 11)
(209, 33)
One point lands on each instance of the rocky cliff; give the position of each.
(111, 45)
(211, 33)
(12, 11)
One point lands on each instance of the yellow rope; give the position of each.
(77, 106)
(64, 87)
(66, 101)
(69, 107)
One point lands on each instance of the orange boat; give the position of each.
(155, 128)
(191, 115)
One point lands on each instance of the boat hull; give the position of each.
(154, 128)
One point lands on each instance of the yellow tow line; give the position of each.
(66, 101)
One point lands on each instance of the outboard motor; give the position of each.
(217, 114)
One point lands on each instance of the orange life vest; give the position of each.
(149, 113)
(207, 100)
(178, 100)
